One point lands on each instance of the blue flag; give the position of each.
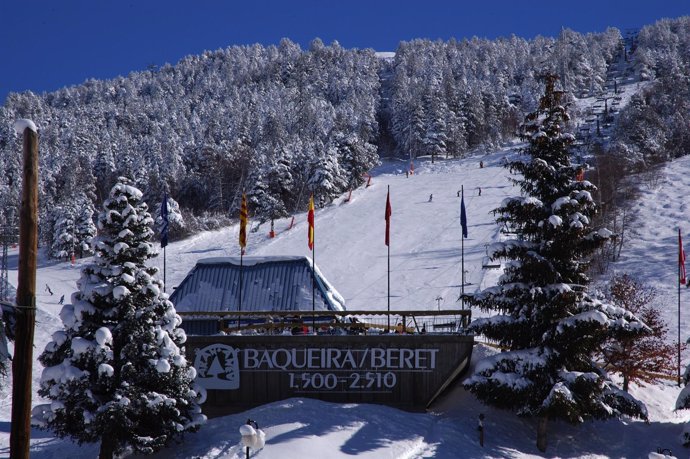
(463, 216)
(164, 220)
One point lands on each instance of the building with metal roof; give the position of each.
(268, 284)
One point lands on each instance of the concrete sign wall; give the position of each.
(406, 371)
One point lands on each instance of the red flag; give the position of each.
(681, 259)
(244, 214)
(388, 218)
(310, 219)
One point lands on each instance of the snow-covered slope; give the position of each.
(425, 264)
(349, 237)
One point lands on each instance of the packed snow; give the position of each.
(425, 264)
(21, 124)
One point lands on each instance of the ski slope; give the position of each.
(424, 264)
(425, 250)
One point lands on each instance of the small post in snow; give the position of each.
(250, 433)
(480, 428)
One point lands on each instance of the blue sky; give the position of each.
(47, 44)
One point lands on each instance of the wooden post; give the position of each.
(20, 431)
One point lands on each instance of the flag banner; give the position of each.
(244, 215)
(310, 219)
(681, 259)
(389, 212)
(164, 220)
(463, 216)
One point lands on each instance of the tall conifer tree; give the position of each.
(547, 321)
(117, 373)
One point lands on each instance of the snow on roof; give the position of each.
(249, 261)
(277, 283)
(21, 124)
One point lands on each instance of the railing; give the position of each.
(335, 322)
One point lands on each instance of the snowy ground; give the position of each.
(425, 264)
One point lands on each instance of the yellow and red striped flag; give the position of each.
(244, 214)
(310, 219)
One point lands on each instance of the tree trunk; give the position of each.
(626, 382)
(541, 433)
(107, 447)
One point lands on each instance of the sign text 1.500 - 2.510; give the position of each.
(373, 381)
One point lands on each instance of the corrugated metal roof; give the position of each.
(268, 284)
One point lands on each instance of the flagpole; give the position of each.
(680, 257)
(463, 225)
(313, 275)
(164, 234)
(389, 273)
(239, 306)
(244, 214)
(462, 258)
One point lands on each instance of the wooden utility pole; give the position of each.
(26, 301)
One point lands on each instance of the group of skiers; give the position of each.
(62, 298)
(479, 193)
(479, 189)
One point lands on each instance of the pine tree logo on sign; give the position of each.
(217, 367)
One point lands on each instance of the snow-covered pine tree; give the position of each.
(73, 228)
(325, 180)
(355, 157)
(117, 372)
(547, 321)
(64, 230)
(84, 228)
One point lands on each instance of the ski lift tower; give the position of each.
(8, 235)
